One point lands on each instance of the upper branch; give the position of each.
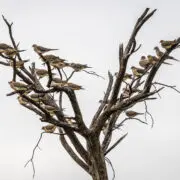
(105, 99)
(155, 68)
(78, 115)
(74, 156)
(124, 55)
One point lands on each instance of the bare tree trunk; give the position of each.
(97, 165)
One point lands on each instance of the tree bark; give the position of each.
(97, 164)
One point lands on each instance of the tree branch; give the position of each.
(73, 155)
(115, 144)
(105, 99)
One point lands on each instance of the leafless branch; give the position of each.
(150, 78)
(115, 144)
(156, 89)
(4, 63)
(109, 162)
(64, 73)
(105, 99)
(169, 86)
(147, 112)
(31, 160)
(70, 151)
(93, 73)
(70, 76)
(122, 122)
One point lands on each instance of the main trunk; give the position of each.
(97, 162)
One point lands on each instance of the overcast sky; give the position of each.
(89, 32)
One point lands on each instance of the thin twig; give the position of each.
(147, 112)
(64, 73)
(60, 74)
(156, 89)
(105, 99)
(37, 146)
(110, 163)
(93, 73)
(4, 63)
(70, 75)
(122, 122)
(169, 86)
(115, 144)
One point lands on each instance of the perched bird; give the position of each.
(167, 44)
(4, 46)
(124, 95)
(58, 64)
(132, 114)
(70, 121)
(19, 64)
(159, 54)
(22, 100)
(17, 86)
(138, 71)
(126, 76)
(57, 82)
(41, 50)
(78, 67)
(10, 52)
(42, 73)
(37, 97)
(144, 62)
(50, 109)
(73, 86)
(50, 128)
(51, 57)
(153, 60)
(131, 90)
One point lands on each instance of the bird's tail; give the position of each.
(140, 113)
(54, 49)
(175, 59)
(167, 63)
(26, 60)
(21, 50)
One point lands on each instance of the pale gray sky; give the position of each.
(90, 32)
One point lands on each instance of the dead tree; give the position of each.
(123, 92)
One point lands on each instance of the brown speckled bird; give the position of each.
(4, 46)
(17, 86)
(58, 64)
(153, 60)
(159, 54)
(51, 57)
(57, 82)
(19, 64)
(37, 97)
(50, 128)
(78, 67)
(144, 62)
(10, 52)
(42, 73)
(126, 76)
(138, 72)
(71, 122)
(167, 44)
(22, 100)
(132, 114)
(73, 86)
(41, 50)
(50, 109)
